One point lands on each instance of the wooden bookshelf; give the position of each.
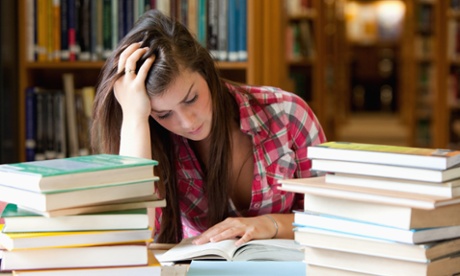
(261, 67)
(421, 73)
(303, 52)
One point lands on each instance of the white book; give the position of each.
(369, 169)
(448, 189)
(380, 266)
(75, 198)
(75, 257)
(346, 226)
(438, 159)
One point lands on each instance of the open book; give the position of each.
(270, 250)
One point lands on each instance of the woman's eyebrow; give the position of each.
(182, 101)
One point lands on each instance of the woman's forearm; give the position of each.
(135, 139)
(284, 223)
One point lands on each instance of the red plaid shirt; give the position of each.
(282, 128)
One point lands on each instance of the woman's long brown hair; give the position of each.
(174, 49)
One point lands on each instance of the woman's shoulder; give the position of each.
(264, 94)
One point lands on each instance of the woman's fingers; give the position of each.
(125, 55)
(145, 67)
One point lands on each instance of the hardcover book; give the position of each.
(76, 172)
(437, 159)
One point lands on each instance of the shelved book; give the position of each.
(270, 250)
(20, 221)
(76, 172)
(437, 159)
(380, 266)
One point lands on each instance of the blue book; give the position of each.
(242, 31)
(242, 268)
(232, 23)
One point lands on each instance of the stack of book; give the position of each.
(380, 210)
(86, 214)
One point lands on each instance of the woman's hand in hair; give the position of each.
(130, 89)
(244, 228)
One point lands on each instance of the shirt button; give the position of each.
(257, 177)
(257, 205)
(282, 170)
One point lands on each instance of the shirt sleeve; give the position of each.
(304, 130)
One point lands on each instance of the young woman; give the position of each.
(221, 147)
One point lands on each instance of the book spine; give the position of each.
(115, 19)
(42, 25)
(232, 30)
(56, 54)
(30, 29)
(31, 123)
(72, 29)
(212, 27)
(84, 32)
(69, 89)
(50, 118)
(41, 125)
(223, 30)
(192, 19)
(107, 28)
(60, 125)
(202, 22)
(242, 31)
(64, 51)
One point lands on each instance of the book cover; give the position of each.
(273, 249)
(19, 220)
(76, 172)
(437, 159)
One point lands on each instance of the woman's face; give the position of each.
(185, 107)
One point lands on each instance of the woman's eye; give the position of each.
(192, 100)
(163, 116)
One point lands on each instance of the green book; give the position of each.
(78, 172)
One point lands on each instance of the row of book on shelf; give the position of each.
(58, 120)
(86, 215)
(379, 210)
(70, 30)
